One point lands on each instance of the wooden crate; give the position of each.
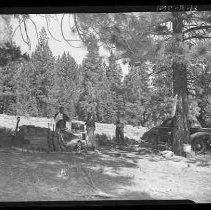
(37, 136)
(30, 130)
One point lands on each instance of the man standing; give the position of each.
(90, 127)
(119, 131)
(60, 119)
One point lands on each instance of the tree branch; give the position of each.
(197, 37)
(162, 70)
(67, 40)
(190, 25)
(35, 26)
(15, 31)
(197, 28)
(192, 94)
(22, 33)
(46, 19)
(27, 36)
(190, 88)
(70, 24)
(77, 28)
(130, 50)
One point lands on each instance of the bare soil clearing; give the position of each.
(109, 174)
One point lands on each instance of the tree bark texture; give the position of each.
(181, 126)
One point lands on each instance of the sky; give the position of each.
(57, 47)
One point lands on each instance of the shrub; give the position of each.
(103, 140)
(127, 140)
(6, 131)
(130, 141)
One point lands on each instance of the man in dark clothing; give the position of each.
(119, 131)
(60, 119)
(90, 127)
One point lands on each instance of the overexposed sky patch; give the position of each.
(57, 47)
(77, 50)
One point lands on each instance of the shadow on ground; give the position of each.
(38, 177)
(201, 160)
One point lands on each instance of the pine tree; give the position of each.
(10, 58)
(42, 64)
(67, 86)
(6, 29)
(26, 102)
(199, 79)
(105, 106)
(7, 88)
(115, 76)
(137, 95)
(91, 70)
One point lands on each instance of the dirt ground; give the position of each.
(109, 174)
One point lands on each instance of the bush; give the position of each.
(114, 139)
(6, 131)
(103, 140)
(130, 141)
(127, 140)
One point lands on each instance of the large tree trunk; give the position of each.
(202, 114)
(181, 125)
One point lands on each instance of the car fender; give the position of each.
(148, 135)
(199, 134)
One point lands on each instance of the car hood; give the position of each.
(205, 129)
(150, 132)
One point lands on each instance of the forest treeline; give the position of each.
(38, 84)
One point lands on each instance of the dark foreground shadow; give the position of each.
(136, 195)
(37, 177)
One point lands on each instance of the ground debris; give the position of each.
(167, 153)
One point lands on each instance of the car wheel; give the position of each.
(199, 145)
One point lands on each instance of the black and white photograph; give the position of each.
(106, 106)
